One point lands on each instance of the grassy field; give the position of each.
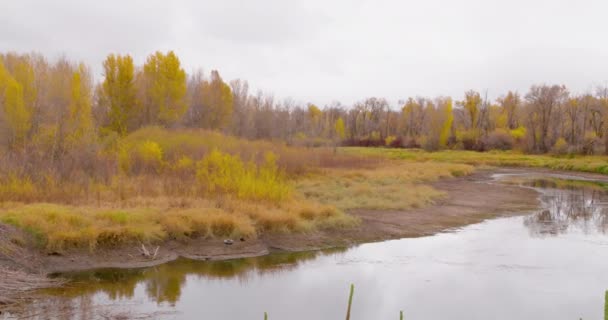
(594, 164)
(393, 185)
(157, 184)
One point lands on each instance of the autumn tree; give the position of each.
(217, 102)
(413, 116)
(314, 119)
(602, 107)
(445, 105)
(119, 92)
(339, 128)
(543, 102)
(165, 89)
(16, 113)
(79, 121)
(472, 105)
(241, 115)
(438, 123)
(510, 104)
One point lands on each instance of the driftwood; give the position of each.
(144, 252)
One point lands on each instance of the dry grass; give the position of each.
(152, 220)
(158, 184)
(395, 185)
(16, 287)
(595, 164)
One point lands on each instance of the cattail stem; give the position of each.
(350, 301)
(606, 305)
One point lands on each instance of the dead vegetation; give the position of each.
(16, 287)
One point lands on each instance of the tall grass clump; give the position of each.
(62, 227)
(58, 227)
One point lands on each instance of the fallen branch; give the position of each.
(144, 252)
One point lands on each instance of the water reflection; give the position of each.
(569, 206)
(163, 284)
(507, 268)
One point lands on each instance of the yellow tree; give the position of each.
(17, 116)
(510, 105)
(339, 128)
(79, 122)
(118, 89)
(412, 115)
(218, 102)
(472, 105)
(448, 119)
(165, 82)
(23, 72)
(314, 116)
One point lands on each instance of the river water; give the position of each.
(549, 264)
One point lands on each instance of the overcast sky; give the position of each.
(320, 50)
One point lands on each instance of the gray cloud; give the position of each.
(343, 50)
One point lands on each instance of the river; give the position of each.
(548, 264)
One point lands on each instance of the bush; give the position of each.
(589, 143)
(560, 147)
(430, 143)
(150, 155)
(184, 166)
(388, 141)
(363, 142)
(498, 140)
(469, 140)
(518, 133)
(224, 173)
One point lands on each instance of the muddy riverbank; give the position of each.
(469, 199)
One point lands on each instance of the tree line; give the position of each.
(54, 107)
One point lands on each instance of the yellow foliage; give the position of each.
(314, 112)
(518, 133)
(184, 164)
(119, 90)
(389, 140)
(14, 188)
(80, 119)
(218, 101)
(151, 153)
(166, 89)
(339, 128)
(220, 172)
(446, 128)
(560, 146)
(18, 115)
